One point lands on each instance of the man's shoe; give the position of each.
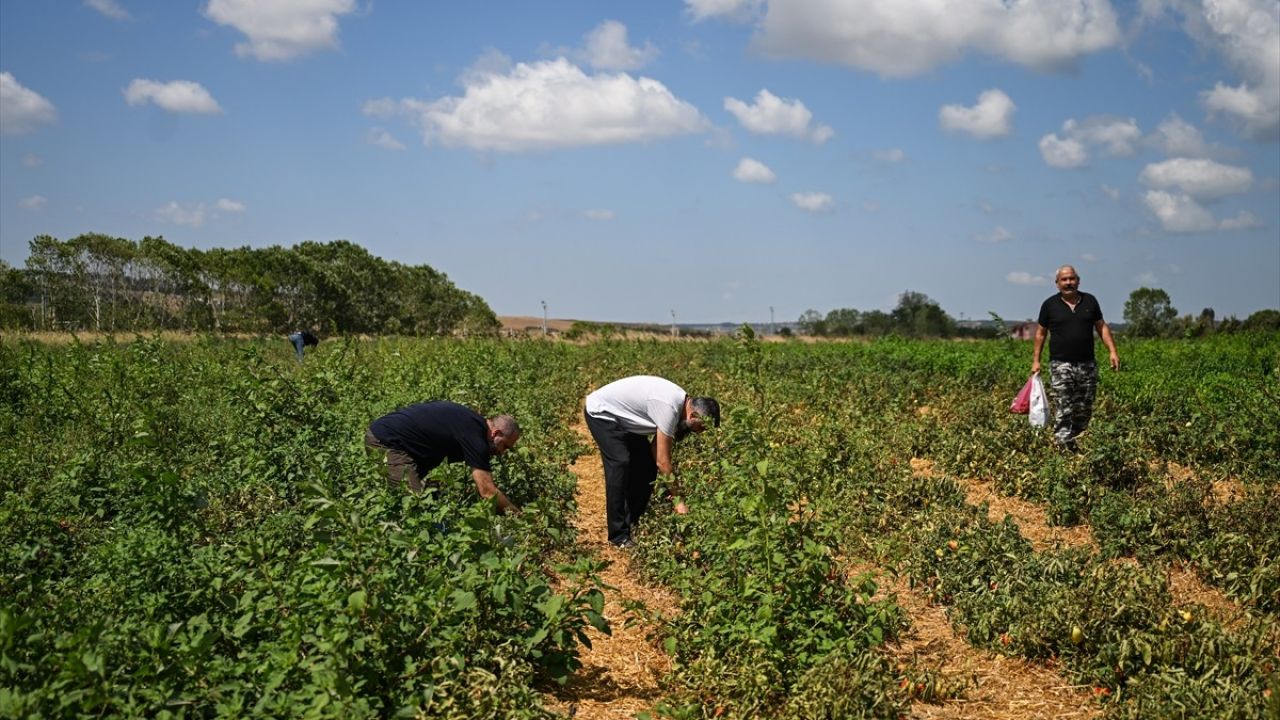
(624, 543)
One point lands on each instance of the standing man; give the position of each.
(1071, 317)
(419, 437)
(621, 416)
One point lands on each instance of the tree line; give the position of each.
(110, 284)
(1147, 313)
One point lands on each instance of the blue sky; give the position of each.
(716, 158)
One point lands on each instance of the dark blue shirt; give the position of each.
(433, 432)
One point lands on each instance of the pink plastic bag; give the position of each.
(1022, 402)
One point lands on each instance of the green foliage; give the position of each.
(1149, 312)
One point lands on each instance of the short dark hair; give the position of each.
(706, 407)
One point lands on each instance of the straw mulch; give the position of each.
(621, 672)
(1031, 518)
(999, 687)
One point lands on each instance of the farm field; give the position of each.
(195, 529)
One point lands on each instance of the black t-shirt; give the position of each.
(433, 432)
(1070, 333)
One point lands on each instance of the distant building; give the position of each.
(1025, 330)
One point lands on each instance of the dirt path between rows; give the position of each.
(620, 672)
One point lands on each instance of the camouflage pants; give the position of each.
(1073, 386)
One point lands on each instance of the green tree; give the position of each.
(918, 316)
(812, 323)
(1149, 312)
(1263, 321)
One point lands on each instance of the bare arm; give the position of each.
(662, 444)
(1037, 345)
(1104, 331)
(488, 490)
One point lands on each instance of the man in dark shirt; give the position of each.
(301, 339)
(419, 437)
(1071, 317)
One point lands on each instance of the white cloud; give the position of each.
(109, 8)
(753, 171)
(1146, 279)
(992, 117)
(1198, 178)
(1020, 277)
(281, 29)
(1112, 135)
(900, 38)
(1063, 152)
(1176, 137)
(1247, 34)
(551, 104)
(871, 206)
(731, 10)
(231, 206)
(22, 110)
(383, 139)
(381, 108)
(772, 115)
(1111, 192)
(607, 49)
(814, 202)
(1089, 257)
(1178, 212)
(601, 214)
(32, 160)
(1116, 136)
(179, 96)
(891, 156)
(1244, 220)
(35, 202)
(191, 215)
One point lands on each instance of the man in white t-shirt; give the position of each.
(621, 416)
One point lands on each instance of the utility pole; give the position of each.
(674, 331)
(772, 331)
(544, 318)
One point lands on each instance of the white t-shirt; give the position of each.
(641, 404)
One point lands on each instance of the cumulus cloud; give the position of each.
(607, 48)
(1063, 152)
(281, 29)
(753, 171)
(230, 206)
(600, 214)
(1111, 192)
(1020, 277)
(383, 139)
(32, 160)
(814, 202)
(1178, 212)
(1246, 33)
(1176, 137)
(991, 117)
(109, 8)
(179, 96)
(551, 104)
(898, 38)
(1111, 135)
(35, 202)
(772, 115)
(22, 110)
(1244, 220)
(1198, 178)
(731, 10)
(190, 215)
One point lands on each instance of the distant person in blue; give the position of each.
(1069, 320)
(420, 437)
(301, 339)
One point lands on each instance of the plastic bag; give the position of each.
(1039, 411)
(1022, 402)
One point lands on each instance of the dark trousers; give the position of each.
(629, 472)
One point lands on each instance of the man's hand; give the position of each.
(1035, 367)
(1115, 361)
